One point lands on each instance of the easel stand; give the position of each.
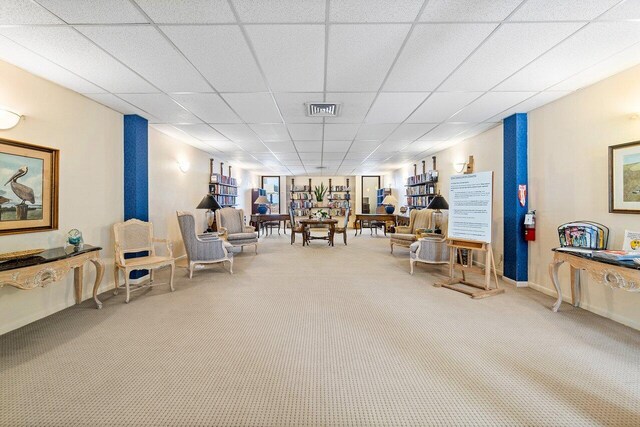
(462, 284)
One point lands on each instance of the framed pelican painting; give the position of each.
(28, 188)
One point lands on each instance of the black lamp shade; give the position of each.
(209, 202)
(438, 202)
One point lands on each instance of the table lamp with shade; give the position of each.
(389, 203)
(262, 203)
(211, 204)
(437, 204)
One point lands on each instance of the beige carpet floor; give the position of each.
(320, 336)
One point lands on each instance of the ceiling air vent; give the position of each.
(322, 109)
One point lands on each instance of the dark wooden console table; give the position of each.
(52, 266)
(308, 223)
(615, 274)
(376, 217)
(257, 219)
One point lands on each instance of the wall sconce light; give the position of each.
(8, 119)
(460, 166)
(634, 116)
(184, 166)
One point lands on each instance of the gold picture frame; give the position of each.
(28, 187)
(624, 178)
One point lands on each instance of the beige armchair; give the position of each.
(135, 236)
(231, 227)
(404, 236)
(432, 249)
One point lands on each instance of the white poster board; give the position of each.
(470, 206)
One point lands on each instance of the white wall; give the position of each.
(568, 179)
(89, 137)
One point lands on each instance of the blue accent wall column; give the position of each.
(516, 250)
(136, 168)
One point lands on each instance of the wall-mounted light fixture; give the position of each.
(459, 167)
(8, 119)
(634, 116)
(184, 166)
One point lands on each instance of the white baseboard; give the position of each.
(597, 310)
(516, 283)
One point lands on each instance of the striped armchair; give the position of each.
(202, 250)
(432, 249)
(231, 228)
(404, 236)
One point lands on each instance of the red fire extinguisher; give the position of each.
(530, 226)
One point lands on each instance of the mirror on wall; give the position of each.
(271, 184)
(370, 186)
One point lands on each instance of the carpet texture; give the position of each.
(320, 336)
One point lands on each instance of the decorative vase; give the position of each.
(262, 209)
(390, 209)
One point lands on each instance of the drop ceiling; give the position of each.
(232, 77)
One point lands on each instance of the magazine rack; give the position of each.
(583, 234)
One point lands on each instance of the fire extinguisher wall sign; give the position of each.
(530, 226)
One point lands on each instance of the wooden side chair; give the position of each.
(296, 228)
(135, 236)
(343, 230)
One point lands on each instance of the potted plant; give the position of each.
(321, 214)
(320, 191)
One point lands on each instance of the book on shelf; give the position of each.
(339, 188)
(301, 188)
(428, 176)
(223, 190)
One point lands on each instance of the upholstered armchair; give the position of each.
(432, 249)
(418, 220)
(202, 250)
(231, 228)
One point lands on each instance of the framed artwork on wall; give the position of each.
(624, 178)
(29, 188)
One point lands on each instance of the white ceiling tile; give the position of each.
(191, 12)
(310, 156)
(394, 107)
(360, 55)
(292, 56)
(160, 106)
(69, 49)
(289, 158)
(119, 105)
(530, 104)
(354, 106)
(24, 12)
(610, 66)
(476, 130)
(175, 133)
(375, 131)
(271, 132)
(624, 10)
(503, 55)
(293, 109)
(332, 156)
(280, 146)
(442, 105)
(254, 107)
(489, 105)
(221, 54)
(305, 132)
(419, 146)
(309, 146)
(281, 10)
(95, 11)
(392, 146)
(446, 131)
(432, 53)
(202, 132)
(411, 131)
(237, 132)
(364, 146)
(374, 10)
(17, 55)
(226, 146)
(254, 147)
(460, 10)
(594, 43)
(336, 146)
(356, 156)
(565, 10)
(340, 131)
(151, 56)
(207, 106)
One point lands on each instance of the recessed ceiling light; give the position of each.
(321, 167)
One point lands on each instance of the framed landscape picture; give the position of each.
(28, 188)
(624, 178)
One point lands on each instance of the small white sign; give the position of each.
(631, 241)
